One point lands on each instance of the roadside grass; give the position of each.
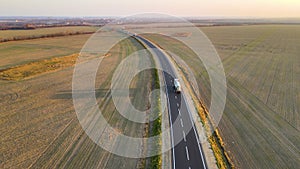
(153, 128)
(156, 161)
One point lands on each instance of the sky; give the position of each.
(224, 8)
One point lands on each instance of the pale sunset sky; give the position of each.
(225, 8)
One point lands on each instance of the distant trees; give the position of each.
(66, 33)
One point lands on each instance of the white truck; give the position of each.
(177, 86)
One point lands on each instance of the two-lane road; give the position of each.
(187, 152)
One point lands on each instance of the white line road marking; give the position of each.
(190, 115)
(187, 153)
(175, 97)
(184, 136)
(179, 112)
(190, 168)
(181, 122)
(177, 104)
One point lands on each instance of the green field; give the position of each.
(260, 126)
(20, 52)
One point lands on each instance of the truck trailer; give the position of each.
(177, 86)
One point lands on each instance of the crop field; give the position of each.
(260, 126)
(38, 123)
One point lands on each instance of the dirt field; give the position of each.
(261, 123)
(38, 124)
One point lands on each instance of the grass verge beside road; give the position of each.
(156, 161)
(154, 128)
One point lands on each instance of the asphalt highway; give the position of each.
(187, 150)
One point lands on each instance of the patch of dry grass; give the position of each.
(32, 69)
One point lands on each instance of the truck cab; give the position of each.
(177, 86)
